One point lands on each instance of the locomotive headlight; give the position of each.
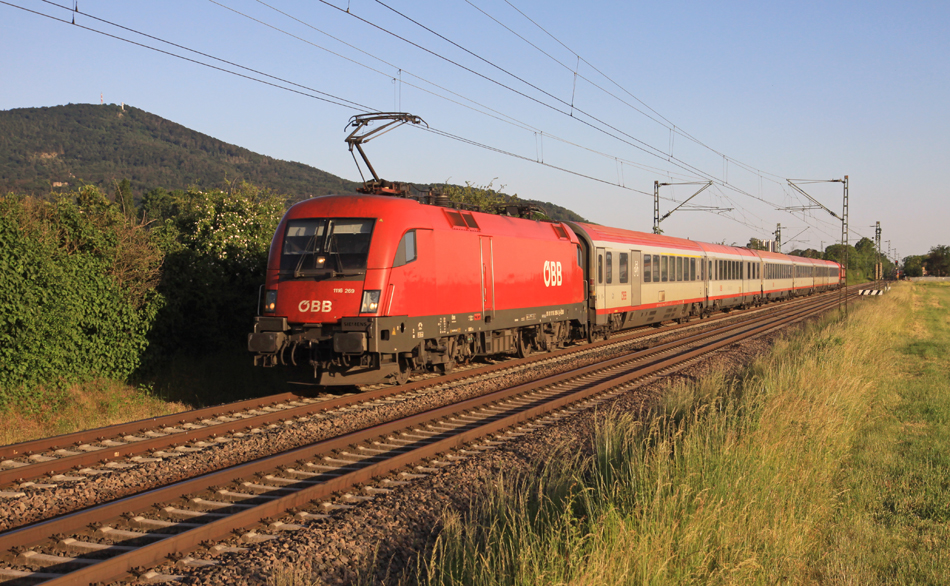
(270, 302)
(370, 302)
(321, 260)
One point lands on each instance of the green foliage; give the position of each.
(938, 261)
(914, 266)
(43, 148)
(77, 292)
(861, 260)
(807, 253)
(487, 198)
(484, 197)
(756, 244)
(215, 244)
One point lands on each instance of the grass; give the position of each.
(97, 403)
(824, 462)
(184, 382)
(893, 526)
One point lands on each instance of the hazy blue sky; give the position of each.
(768, 90)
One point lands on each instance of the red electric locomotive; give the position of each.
(367, 288)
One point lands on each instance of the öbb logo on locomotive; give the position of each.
(553, 275)
(315, 306)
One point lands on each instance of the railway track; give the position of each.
(263, 497)
(48, 463)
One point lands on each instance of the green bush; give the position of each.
(77, 293)
(215, 244)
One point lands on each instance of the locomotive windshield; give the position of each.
(326, 247)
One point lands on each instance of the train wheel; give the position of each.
(402, 377)
(446, 367)
(524, 347)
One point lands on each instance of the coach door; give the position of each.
(636, 274)
(600, 268)
(488, 277)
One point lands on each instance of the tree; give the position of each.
(938, 261)
(914, 266)
(484, 197)
(807, 253)
(866, 246)
(756, 244)
(124, 198)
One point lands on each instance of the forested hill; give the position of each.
(62, 147)
(44, 149)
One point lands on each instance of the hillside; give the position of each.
(61, 147)
(43, 149)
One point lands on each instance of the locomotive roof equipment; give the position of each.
(361, 122)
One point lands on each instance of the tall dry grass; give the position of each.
(728, 480)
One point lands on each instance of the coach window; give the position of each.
(610, 268)
(406, 252)
(678, 272)
(647, 268)
(622, 270)
(600, 269)
(656, 268)
(664, 268)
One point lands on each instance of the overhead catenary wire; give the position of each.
(495, 114)
(343, 102)
(633, 141)
(340, 101)
(668, 123)
(329, 98)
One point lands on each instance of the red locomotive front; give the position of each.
(369, 288)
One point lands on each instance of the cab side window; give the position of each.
(406, 251)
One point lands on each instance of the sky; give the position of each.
(583, 104)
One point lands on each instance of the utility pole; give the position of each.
(778, 237)
(843, 297)
(844, 240)
(879, 270)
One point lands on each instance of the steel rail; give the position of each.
(131, 448)
(104, 455)
(133, 427)
(152, 554)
